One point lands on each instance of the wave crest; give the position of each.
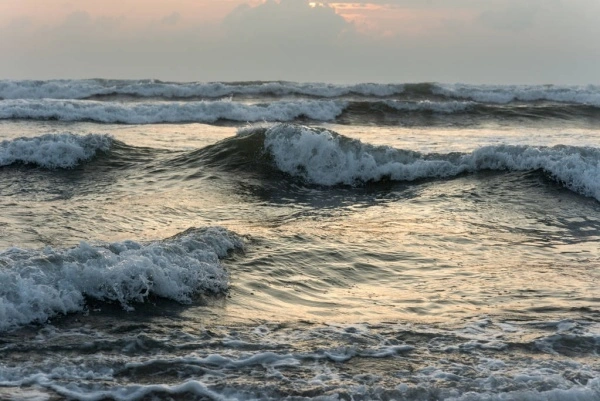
(169, 112)
(503, 94)
(37, 285)
(53, 150)
(82, 89)
(323, 157)
(495, 94)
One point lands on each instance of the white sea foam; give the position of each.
(37, 285)
(81, 89)
(589, 94)
(589, 392)
(171, 112)
(322, 157)
(53, 150)
(370, 362)
(540, 385)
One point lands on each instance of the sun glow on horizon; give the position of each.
(388, 20)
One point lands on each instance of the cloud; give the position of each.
(79, 26)
(287, 39)
(516, 16)
(492, 41)
(19, 24)
(418, 4)
(292, 21)
(171, 19)
(512, 19)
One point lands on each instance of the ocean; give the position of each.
(299, 241)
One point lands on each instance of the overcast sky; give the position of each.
(471, 41)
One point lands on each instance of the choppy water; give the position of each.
(299, 241)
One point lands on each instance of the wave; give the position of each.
(323, 157)
(388, 111)
(584, 95)
(447, 107)
(315, 156)
(54, 150)
(83, 89)
(37, 285)
(168, 112)
(403, 112)
(495, 94)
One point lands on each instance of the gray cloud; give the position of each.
(285, 40)
(81, 25)
(19, 24)
(504, 41)
(292, 21)
(420, 4)
(171, 19)
(514, 18)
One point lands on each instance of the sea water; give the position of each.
(280, 240)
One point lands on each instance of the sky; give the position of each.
(468, 41)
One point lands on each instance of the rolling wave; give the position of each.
(99, 88)
(37, 285)
(323, 157)
(481, 110)
(316, 156)
(584, 95)
(168, 112)
(84, 89)
(54, 150)
(383, 111)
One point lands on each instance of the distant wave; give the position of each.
(323, 157)
(447, 107)
(83, 89)
(585, 95)
(37, 285)
(397, 110)
(164, 112)
(53, 150)
(495, 94)
(385, 111)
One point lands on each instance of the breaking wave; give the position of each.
(383, 111)
(168, 112)
(319, 156)
(39, 284)
(85, 89)
(82, 89)
(53, 150)
(323, 157)
(584, 95)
